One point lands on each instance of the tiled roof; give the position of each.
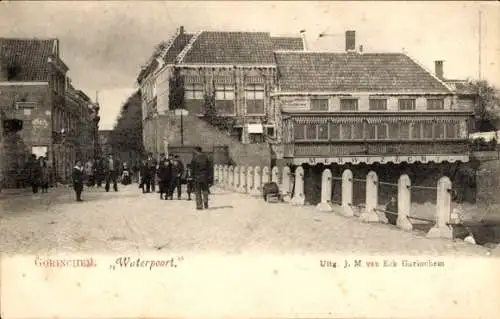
(29, 55)
(231, 48)
(380, 72)
(177, 45)
(461, 87)
(287, 43)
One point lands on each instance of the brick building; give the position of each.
(239, 67)
(33, 89)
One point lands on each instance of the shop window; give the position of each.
(311, 132)
(427, 130)
(394, 130)
(357, 131)
(415, 131)
(322, 131)
(371, 131)
(382, 131)
(404, 131)
(334, 131)
(439, 129)
(299, 131)
(345, 131)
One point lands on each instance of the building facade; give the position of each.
(33, 89)
(237, 68)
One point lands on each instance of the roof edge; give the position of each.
(429, 72)
(180, 57)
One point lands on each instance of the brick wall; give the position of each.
(199, 133)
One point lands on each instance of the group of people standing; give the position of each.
(172, 174)
(39, 174)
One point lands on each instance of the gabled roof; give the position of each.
(178, 44)
(287, 43)
(377, 72)
(212, 47)
(28, 56)
(462, 87)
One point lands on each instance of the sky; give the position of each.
(105, 43)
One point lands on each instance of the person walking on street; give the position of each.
(89, 172)
(99, 171)
(77, 177)
(44, 175)
(145, 180)
(188, 177)
(152, 172)
(176, 181)
(112, 169)
(35, 173)
(164, 177)
(202, 175)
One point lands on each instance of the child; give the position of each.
(78, 180)
(188, 176)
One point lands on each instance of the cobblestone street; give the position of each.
(131, 221)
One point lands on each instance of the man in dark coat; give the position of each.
(152, 171)
(176, 180)
(202, 175)
(112, 171)
(164, 177)
(78, 177)
(35, 173)
(188, 177)
(145, 177)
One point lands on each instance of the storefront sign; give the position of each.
(380, 159)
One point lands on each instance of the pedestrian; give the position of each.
(99, 171)
(152, 163)
(89, 172)
(112, 171)
(164, 177)
(202, 175)
(35, 172)
(145, 184)
(176, 180)
(126, 179)
(391, 211)
(188, 177)
(77, 177)
(44, 175)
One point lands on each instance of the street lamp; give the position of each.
(181, 113)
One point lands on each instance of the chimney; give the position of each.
(438, 69)
(350, 41)
(304, 41)
(361, 49)
(181, 29)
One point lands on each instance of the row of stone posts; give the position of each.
(250, 180)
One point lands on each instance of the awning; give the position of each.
(255, 128)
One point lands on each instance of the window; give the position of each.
(394, 130)
(371, 131)
(322, 131)
(357, 131)
(435, 104)
(270, 131)
(319, 104)
(404, 131)
(415, 130)
(406, 104)
(427, 130)
(256, 138)
(378, 104)
(348, 104)
(299, 131)
(382, 131)
(451, 130)
(345, 131)
(311, 132)
(334, 131)
(439, 130)
(194, 98)
(254, 96)
(224, 99)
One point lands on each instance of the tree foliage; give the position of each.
(488, 106)
(127, 132)
(176, 87)
(213, 116)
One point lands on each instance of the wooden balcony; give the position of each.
(377, 148)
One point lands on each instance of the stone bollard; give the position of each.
(404, 203)
(326, 192)
(286, 184)
(236, 178)
(275, 175)
(443, 210)
(242, 188)
(265, 175)
(370, 214)
(226, 176)
(298, 196)
(257, 182)
(347, 190)
(230, 178)
(249, 179)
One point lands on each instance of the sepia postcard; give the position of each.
(246, 159)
